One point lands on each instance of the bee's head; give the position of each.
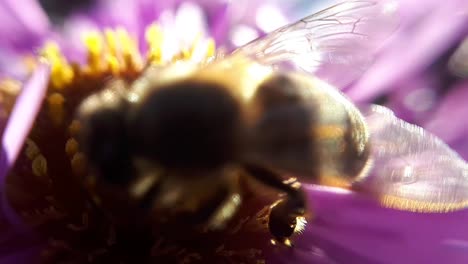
(187, 125)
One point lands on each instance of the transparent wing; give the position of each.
(412, 169)
(337, 44)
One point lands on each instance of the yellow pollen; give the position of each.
(61, 72)
(122, 52)
(79, 164)
(115, 52)
(71, 147)
(94, 44)
(111, 40)
(39, 166)
(32, 150)
(154, 38)
(196, 46)
(129, 49)
(10, 87)
(210, 48)
(74, 128)
(9, 90)
(201, 48)
(113, 64)
(56, 108)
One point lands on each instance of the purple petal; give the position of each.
(448, 120)
(189, 18)
(25, 255)
(18, 126)
(71, 38)
(351, 228)
(415, 97)
(108, 14)
(219, 22)
(23, 23)
(23, 26)
(461, 146)
(148, 12)
(12, 64)
(421, 38)
(17, 246)
(111, 14)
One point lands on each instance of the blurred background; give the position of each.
(58, 9)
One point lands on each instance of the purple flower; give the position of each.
(229, 25)
(413, 76)
(351, 228)
(46, 214)
(452, 105)
(18, 245)
(23, 26)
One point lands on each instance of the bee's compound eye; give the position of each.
(106, 145)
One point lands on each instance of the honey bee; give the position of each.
(179, 139)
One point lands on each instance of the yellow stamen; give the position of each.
(112, 55)
(74, 128)
(56, 103)
(113, 64)
(111, 41)
(129, 50)
(9, 89)
(196, 44)
(79, 164)
(154, 38)
(39, 166)
(71, 147)
(94, 44)
(186, 54)
(201, 48)
(211, 48)
(116, 52)
(32, 150)
(61, 72)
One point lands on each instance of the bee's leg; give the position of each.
(287, 214)
(215, 212)
(224, 212)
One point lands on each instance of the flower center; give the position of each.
(45, 185)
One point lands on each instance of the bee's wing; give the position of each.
(337, 44)
(412, 169)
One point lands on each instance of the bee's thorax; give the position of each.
(187, 125)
